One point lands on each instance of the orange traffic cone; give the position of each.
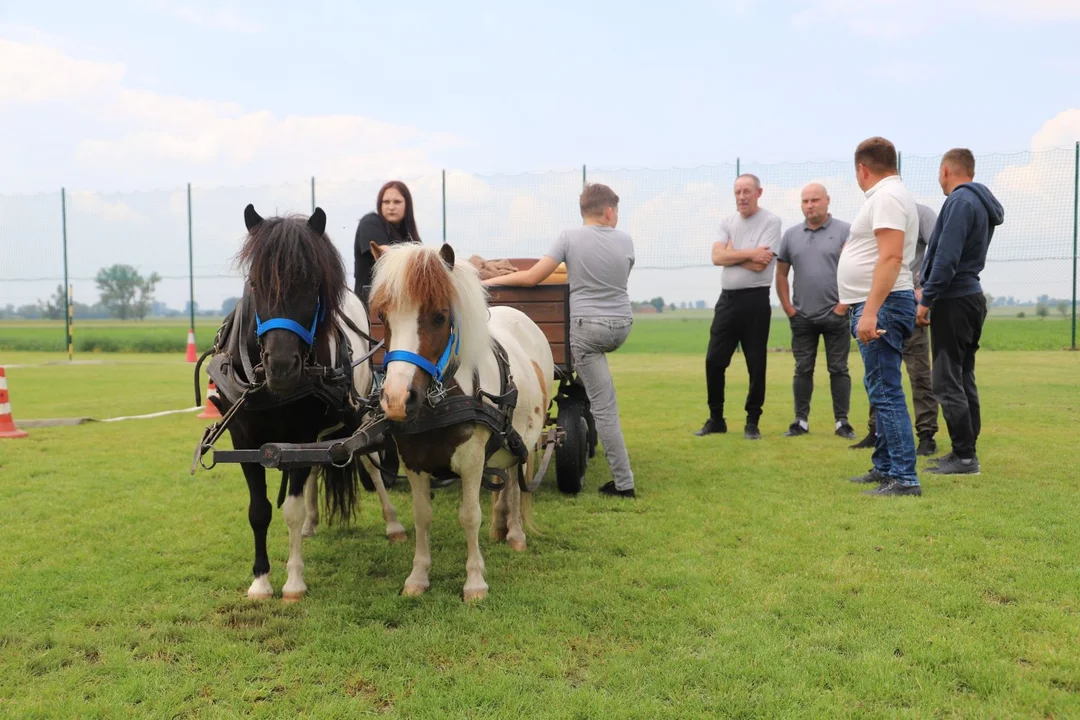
(210, 410)
(7, 423)
(192, 355)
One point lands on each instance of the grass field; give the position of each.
(746, 580)
(1004, 331)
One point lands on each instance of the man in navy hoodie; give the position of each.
(954, 258)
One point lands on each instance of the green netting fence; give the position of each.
(189, 235)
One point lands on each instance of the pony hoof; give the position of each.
(288, 598)
(499, 535)
(397, 537)
(476, 595)
(413, 590)
(259, 595)
(518, 545)
(308, 531)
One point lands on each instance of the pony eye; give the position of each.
(439, 318)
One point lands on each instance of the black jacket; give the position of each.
(372, 227)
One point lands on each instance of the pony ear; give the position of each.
(447, 254)
(376, 249)
(251, 218)
(317, 221)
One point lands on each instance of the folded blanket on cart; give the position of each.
(491, 268)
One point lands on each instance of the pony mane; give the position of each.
(283, 257)
(412, 275)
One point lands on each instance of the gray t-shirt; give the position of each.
(762, 229)
(813, 256)
(598, 262)
(927, 220)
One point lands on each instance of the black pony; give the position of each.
(286, 356)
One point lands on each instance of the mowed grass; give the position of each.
(747, 579)
(681, 331)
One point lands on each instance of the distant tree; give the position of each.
(1021, 314)
(989, 299)
(125, 292)
(1063, 308)
(658, 303)
(54, 307)
(1042, 309)
(229, 305)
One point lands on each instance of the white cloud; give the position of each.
(124, 136)
(895, 19)
(1062, 130)
(221, 17)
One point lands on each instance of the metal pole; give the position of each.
(444, 206)
(191, 260)
(313, 194)
(71, 319)
(899, 163)
(67, 286)
(584, 177)
(1076, 222)
(738, 166)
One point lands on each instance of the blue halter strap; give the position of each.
(307, 335)
(435, 370)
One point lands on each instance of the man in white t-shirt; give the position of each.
(874, 279)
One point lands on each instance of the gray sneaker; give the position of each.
(947, 457)
(956, 466)
(871, 477)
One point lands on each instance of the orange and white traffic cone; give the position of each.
(210, 411)
(192, 354)
(7, 422)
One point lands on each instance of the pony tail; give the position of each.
(341, 492)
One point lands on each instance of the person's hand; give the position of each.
(867, 328)
(922, 316)
(754, 267)
(789, 310)
(918, 294)
(762, 256)
(840, 309)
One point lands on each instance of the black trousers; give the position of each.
(835, 330)
(741, 317)
(955, 330)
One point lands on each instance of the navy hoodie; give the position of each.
(957, 249)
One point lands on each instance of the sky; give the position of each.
(114, 99)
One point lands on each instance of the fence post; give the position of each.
(312, 194)
(1076, 222)
(191, 262)
(444, 205)
(67, 286)
(738, 168)
(584, 177)
(899, 163)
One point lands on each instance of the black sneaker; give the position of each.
(894, 488)
(947, 457)
(608, 488)
(796, 429)
(869, 441)
(872, 477)
(956, 466)
(844, 430)
(751, 432)
(712, 426)
(927, 445)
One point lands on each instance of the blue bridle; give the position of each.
(307, 335)
(435, 370)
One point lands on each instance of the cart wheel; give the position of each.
(571, 458)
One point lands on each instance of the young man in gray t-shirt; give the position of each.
(598, 261)
(746, 248)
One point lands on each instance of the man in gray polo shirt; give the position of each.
(746, 249)
(812, 249)
(917, 358)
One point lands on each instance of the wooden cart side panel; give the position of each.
(546, 305)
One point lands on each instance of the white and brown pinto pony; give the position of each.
(439, 331)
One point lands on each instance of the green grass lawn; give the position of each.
(747, 579)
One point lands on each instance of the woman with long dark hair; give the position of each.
(393, 221)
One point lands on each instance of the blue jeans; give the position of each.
(894, 451)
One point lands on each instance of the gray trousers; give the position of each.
(836, 331)
(917, 361)
(590, 341)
